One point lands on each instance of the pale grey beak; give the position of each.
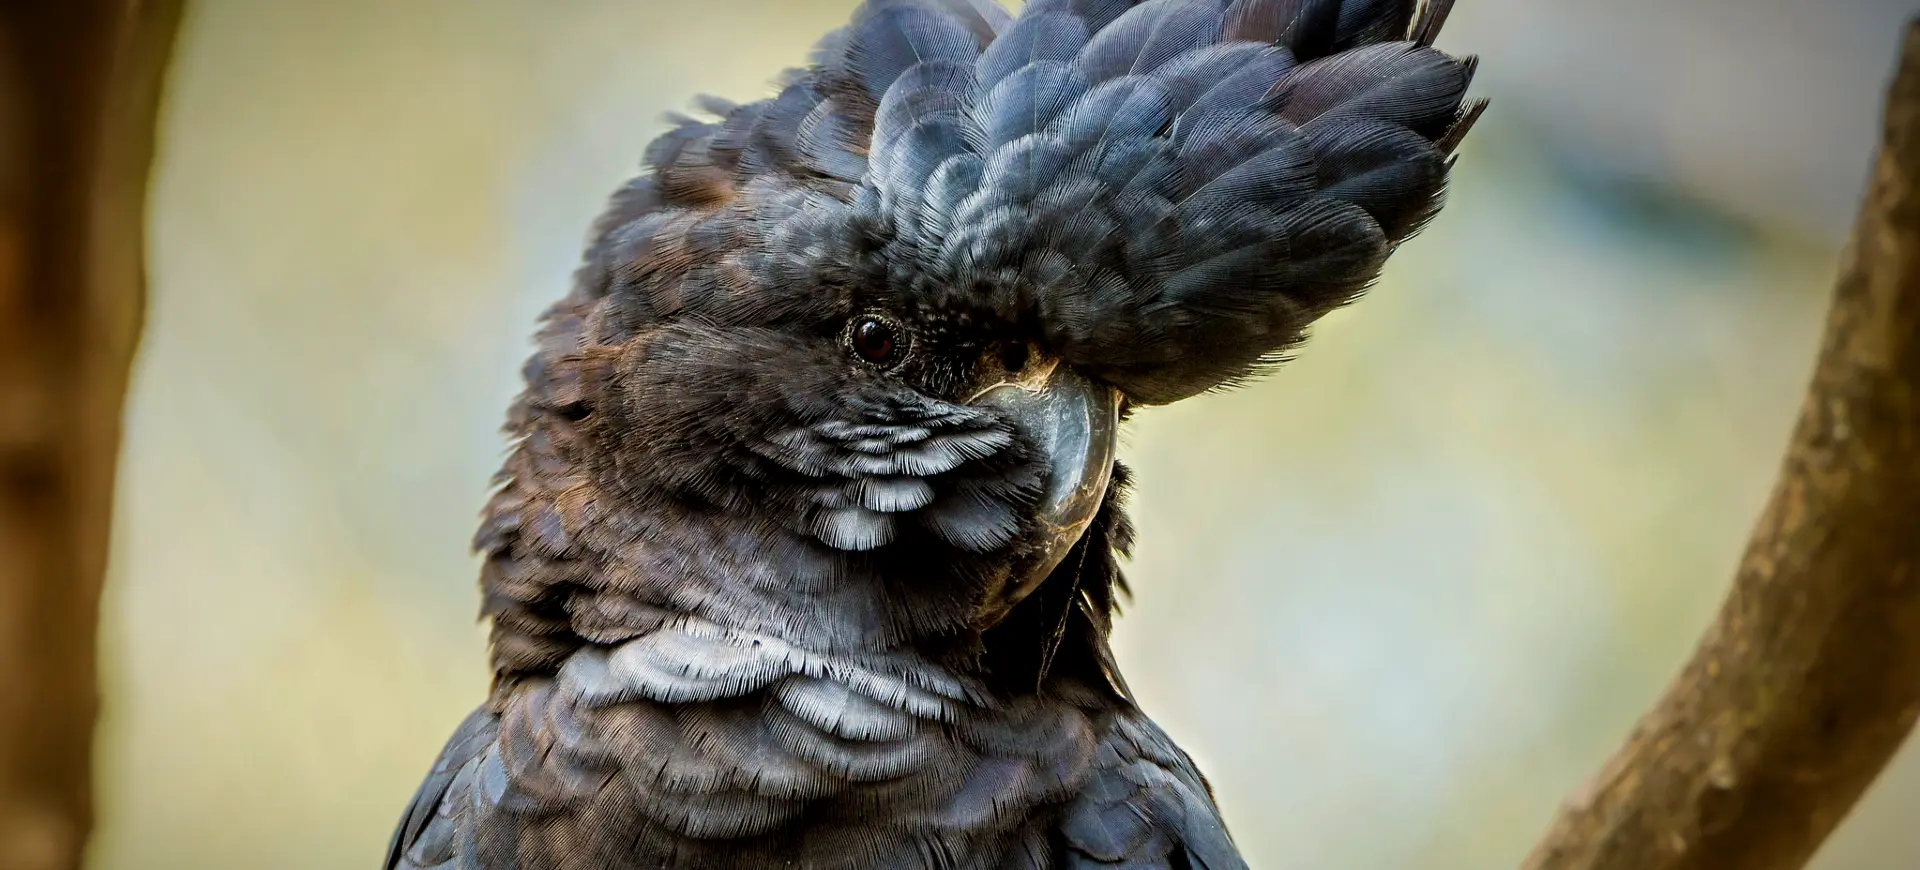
(1075, 424)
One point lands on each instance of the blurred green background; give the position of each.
(1397, 600)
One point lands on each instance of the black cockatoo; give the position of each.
(806, 552)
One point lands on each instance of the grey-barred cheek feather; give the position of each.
(757, 600)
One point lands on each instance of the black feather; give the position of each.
(1416, 87)
(1035, 38)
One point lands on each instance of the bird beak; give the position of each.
(1074, 423)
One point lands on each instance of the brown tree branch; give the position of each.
(79, 91)
(1809, 679)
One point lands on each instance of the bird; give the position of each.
(809, 540)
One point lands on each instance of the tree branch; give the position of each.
(1809, 679)
(79, 91)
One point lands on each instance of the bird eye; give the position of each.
(1013, 356)
(876, 340)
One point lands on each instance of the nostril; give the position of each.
(1013, 356)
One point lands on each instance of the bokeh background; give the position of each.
(1397, 600)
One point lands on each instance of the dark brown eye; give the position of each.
(1013, 356)
(876, 340)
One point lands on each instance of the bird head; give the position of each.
(848, 365)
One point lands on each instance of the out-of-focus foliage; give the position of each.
(1397, 600)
